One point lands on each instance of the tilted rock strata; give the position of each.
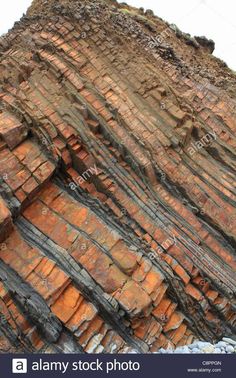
(117, 227)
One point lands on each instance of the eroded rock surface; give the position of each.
(117, 173)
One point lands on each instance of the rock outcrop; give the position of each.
(117, 173)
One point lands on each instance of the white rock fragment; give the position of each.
(208, 349)
(229, 341)
(229, 349)
(227, 345)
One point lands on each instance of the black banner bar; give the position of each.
(109, 365)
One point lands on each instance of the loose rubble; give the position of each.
(226, 346)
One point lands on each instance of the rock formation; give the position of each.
(117, 169)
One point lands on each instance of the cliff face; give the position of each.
(117, 169)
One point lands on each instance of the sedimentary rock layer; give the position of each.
(117, 169)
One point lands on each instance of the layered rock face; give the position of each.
(117, 169)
